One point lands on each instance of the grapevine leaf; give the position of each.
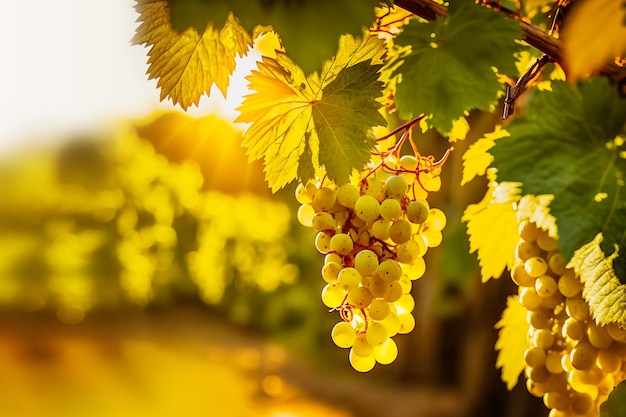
(294, 21)
(511, 342)
(566, 146)
(601, 287)
(594, 35)
(188, 63)
(476, 159)
(492, 229)
(299, 123)
(449, 68)
(615, 405)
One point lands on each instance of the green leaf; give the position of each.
(299, 124)
(450, 67)
(615, 405)
(566, 146)
(295, 21)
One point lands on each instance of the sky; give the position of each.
(68, 66)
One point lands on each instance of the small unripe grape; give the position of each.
(322, 242)
(323, 221)
(333, 295)
(367, 208)
(376, 334)
(546, 286)
(536, 266)
(359, 297)
(379, 309)
(394, 292)
(387, 352)
(348, 279)
(390, 209)
(535, 356)
(389, 270)
(583, 356)
(361, 346)
(324, 199)
(366, 262)
(400, 231)
(396, 186)
(569, 285)
(330, 270)
(343, 334)
(341, 243)
(528, 231)
(361, 363)
(417, 211)
(347, 195)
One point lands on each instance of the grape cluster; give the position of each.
(374, 233)
(571, 362)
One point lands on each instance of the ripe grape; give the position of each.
(417, 211)
(343, 334)
(400, 231)
(390, 209)
(396, 186)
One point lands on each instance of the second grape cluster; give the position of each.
(374, 233)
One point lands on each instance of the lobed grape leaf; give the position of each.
(601, 288)
(511, 342)
(188, 63)
(593, 35)
(294, 21)
(615, 405)
(298, 123)
(449, 68)
(476, 158)
(566, 146)
(492, 229)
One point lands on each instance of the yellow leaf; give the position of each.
(602, 289)
(511, 342)
(594, 35)
(477, 159)
(492, 229)
(188, 64)
(460, 127)
(537, 210)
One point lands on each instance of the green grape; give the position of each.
(378, 287)
(437, 218)
(361, 346)
(359, 297)
(529, 298)
(323, 221)
(305, 215)
(379, 309)
(361, 363)
(348, 279)
(396, 186)
(546, 286)
(333, 295)
(569, 285)
(343, 334)
(583, 356)
(556, 263)
(408, 163)
(392, 323)
(525, 250)
(534, 356)
(389, 270)
(390, 209)
(406, 303)
(528, 230)
(367, 208)
(322, 242)
(341, 243)
(387, 352)
(417, 211)
(408, 252)
(366, 262)
(305, 193)
(347, 195)
(400, 231)
(380, 229)
(330, 271)
(376, 334)
(536, 266)
(324, 199)
(573, 329)
(394, 292)
(543, 338)
(407, 323)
